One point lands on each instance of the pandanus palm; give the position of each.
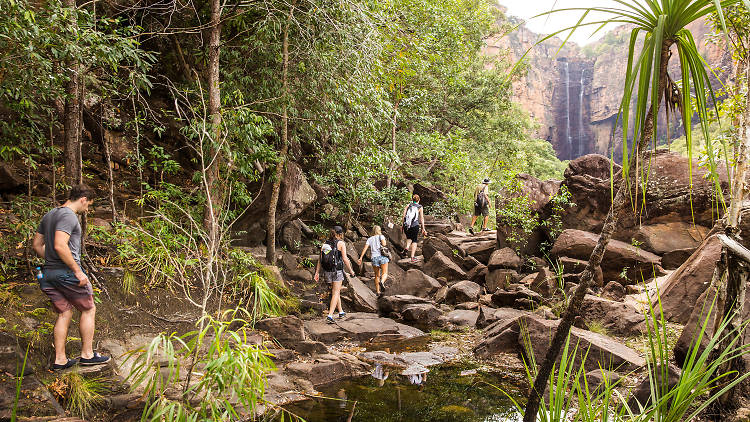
(661, 24)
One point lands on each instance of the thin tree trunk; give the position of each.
(72, 116)
(392, 166)
(110, 177)
(610, 224)
(275, 190)
(213, 194)
(737, 270)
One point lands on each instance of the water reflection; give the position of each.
(446, 397)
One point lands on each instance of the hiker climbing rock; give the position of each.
(481, 205)
(380, 255)
(58, 241)
(412, 222)
(332, 260)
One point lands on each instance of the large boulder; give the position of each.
(442, 266)
(424, 314)
(671, 197)
(682, 288)
(617, 317)
(428, 195)
(661, 238)
(434, 244)
(438, 225)
(415, 283)
(600, 351)
(392, 230)
(518, 296)
(9, 180)
(505, 258)
(363, 299)
(397, 303)
(460, 318)
(619, 256)
(295, 196)
(463, 291)
(500, 279)
(291, 236)
(488, 316)
(545, 283)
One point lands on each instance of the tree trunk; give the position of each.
(273, 203)
(72, 116)
(610, 224)
(213, 191)
(392, 166)
(737, 271)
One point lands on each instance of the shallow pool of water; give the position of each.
(445, 395)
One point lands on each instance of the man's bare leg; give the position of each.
(60, 335)
(86, 327)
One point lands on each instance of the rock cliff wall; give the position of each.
(574, 93)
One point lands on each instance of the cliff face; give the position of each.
(574, 93)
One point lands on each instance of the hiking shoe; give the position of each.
(485, 229)
(97, 359)
(342, 315)
(382, 287)
(329, 319)
(70, 363)
(471, 230)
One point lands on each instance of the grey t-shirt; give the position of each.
(65, 220)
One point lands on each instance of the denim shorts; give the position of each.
(334, 276)
(379, 260)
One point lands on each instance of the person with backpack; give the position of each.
(413, 220)
(481, 205)
(332, 260)
(380, 257)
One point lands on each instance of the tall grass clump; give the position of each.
(79, 394)
(570, 398)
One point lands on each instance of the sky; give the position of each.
(525, 9)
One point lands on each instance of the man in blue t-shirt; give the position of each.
(58, 241)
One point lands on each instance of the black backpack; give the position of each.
(330, 261)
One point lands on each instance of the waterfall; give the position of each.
(580, 116)
(567, 108)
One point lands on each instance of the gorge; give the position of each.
(573, 93)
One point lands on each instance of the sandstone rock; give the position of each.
(460, 318)
(571, 265)
(545, 283)
(441, 266)
(463, 291)
(598, 378)
(478, 274)
(303, 275)
(357, 326)
(434, 244)
(415, 283)
(295, 196)
(500, 279)
(9, 180)
(614, 290)
(618, 256)
(641, 395)
(528, 279)
(504, 258)
(681, 290)
(603, 352)
(310, 347)
(392, 230)
(488, 316)
(325, 369)
(516, 297)
(397, 303)
(425, 314)
(481, 250)
(438, 225)
(441, 294)
(502, 335)
(471, 306)
(407, 263)
(287, 330)
(661, 238)
(363, 299)
(428, 195)
(674, 259)
(617, 317)
(291, 236)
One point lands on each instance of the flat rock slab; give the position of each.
(437, 355)
(358, 326)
